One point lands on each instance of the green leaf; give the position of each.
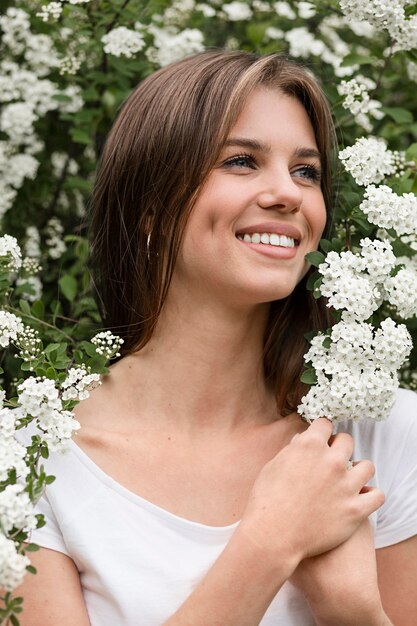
(38, 309)
(24, 307)
(325, 245)
(31, 569)
(80, 136)
(327, 342)
(311, 280)
(68, 286)
(316, 258)
(398, 114)
(357, 59)
(32, 547)
(309, 376)
(411, 152)
(51, 347)
(13, 619)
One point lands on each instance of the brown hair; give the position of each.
(166, 139)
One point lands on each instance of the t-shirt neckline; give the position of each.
(160, 512)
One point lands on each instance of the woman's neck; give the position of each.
(202, 369)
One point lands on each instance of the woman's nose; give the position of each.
(280, 191)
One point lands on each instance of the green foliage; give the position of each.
(65, 314)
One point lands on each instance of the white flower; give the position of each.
(388, 14)
(274, 33)
(39, 398)
(10, 253)
(358, 101)
(12, 564)
(206, 9)
(29, 344)
(35, 287)
(21, 166)
(303, 43)
(51, 11)
(78, 383)
(107, 344)
(171, 45)
(369, 160)
(306, 10)
(122, 41)
(237, 11)
(402, 292)
(283, 9)
(10, 327)
(12, 453)
(379, 259)
(355, 281)
(16, 120)
(356, 370)
(387, 209)
(16, 509)
(55, 242)
(392, 345)
(32, 243)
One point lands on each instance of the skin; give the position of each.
(209, 409)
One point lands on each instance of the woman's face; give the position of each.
(260, 210)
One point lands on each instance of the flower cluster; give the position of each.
(29, 344)
(358, 101)
(356, 368)
(370, 161)
(39, 398)
(388, 14)
(12, 564)
(355, 281)
(122, 41)
(10, 253)
(54, 238)
(12, 453)
(107, 344)
(387, 209)
(170, 44)
(78, 383)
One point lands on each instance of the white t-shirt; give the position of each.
(138, 562)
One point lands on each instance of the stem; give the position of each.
(347, 235)
(36, 319)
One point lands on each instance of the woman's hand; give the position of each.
(341, 585)
(305, 501)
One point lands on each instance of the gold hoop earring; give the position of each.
(148, 242)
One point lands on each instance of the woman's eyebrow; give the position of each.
(254, 144)
(307, 153)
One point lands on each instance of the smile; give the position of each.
(269, 239)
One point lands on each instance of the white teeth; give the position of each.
(272, 239)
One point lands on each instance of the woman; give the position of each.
(194, 493)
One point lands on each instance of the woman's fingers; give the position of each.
(360, 473)
(343, 443)
(371, 499)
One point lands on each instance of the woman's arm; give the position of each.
(341, 586)
(52, 596)
(397, 578)
(304, 502)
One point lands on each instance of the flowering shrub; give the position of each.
(65, 68)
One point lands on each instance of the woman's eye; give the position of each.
(240, 160)
(309, 172)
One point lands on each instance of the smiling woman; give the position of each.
(195, 494)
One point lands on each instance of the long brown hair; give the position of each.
(165, 141)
